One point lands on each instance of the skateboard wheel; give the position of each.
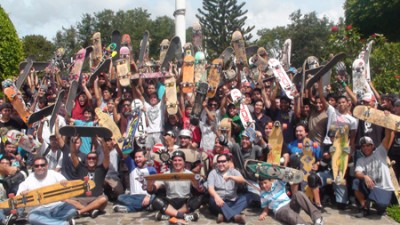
(88, 193)
(13, 211)
(284, 126)
(315, 145)
(11, 195)
(332, 149)
(329, 181)
(86, 178)
(197, 177)
(300, 145)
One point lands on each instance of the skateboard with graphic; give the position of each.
(239, 48)
(340, 151)
(170, 92)
(214, 77)
(49, 194)
(16, 100)
(116, 38)
(97, 53)
(286, 54)
(307, 159)
(128, 144)
(187, 83)
(280, 75)
(275, 141)
(200, 72)
(270, 171)
(393, 177)
(20, 139)
(163, 49)
(225, 127)
(78, 64)
(236, 96)
(123, 70)
(360, 83)
(140, 134)
(377, 117)
(85, 131)
(106, 121)
(201, 92)
(197, 37)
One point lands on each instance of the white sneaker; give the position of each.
(120, 208)
(319, 221)
(71, 222)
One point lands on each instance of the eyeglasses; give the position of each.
(221, 161)
(91, 158)
(39, 165)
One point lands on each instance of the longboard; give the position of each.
(188, 74)
(275, 141)
(377, 117)
(214, 77)
(106, 121)
(170, 91)
(340, 151)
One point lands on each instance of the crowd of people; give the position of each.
(224, 186)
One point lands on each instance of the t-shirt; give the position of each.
(276, 198)
(155, 115)
(54, 158)
(176, 189)
(317, 123)
(226, 189)
(336, 120)
(86, 141)
(134, 175)
(98, 176)
(376, 167)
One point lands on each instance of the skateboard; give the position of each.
(163, 49)
(298, 77)
(364, 54)
(56, 109)
(236, 96)
(15, 98)
(123, 70)
(174, 52)
(251, 50)
(106, 121)
(360, 83)
(126, 42)
(201, 93)
(188, 49)
(20, 139)
(310, 82)
(377, 117)
(104, 67)
(214, 77)
(97, 53)
(226, 56)
(394, 179)
(280, 75)
(38, 65)
(307, 160)
(340, 151)
(197, 36)
(140, 134)
(78, 64)
(151, 75)
(128, 144)
(170, 91)
(200, 72)
(85, 131)
(275, 141)
(187, 83)
(225, 127)
(39, 115)
(72, 92)
(270, 171)
(116, 38)
(173, 177)
(161, 158)
(239, 48)
(144, 43)
(286, 53)
(245, 116)
(25, 72)
(49, 194)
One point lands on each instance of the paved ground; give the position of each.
(331, 216)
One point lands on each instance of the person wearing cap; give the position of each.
(185, 142)
(373, 182)
(7, 121)
(178, 205)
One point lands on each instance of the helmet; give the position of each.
(178, 153)
(199, 56)
(186, 133)
(124, 50)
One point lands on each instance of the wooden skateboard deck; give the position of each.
(187, 84)
(123, 69)
(225, 127)
(226, 56)
(97, 53)
(85, 131)
(377, 117)
(201, 93)
(394, 179)
(16, 100)
(307, 160)
(171, 177)
(106, 121)
(49, 194)
(280, 75)
(267, 170)
(200, 72)
(78, 64)
(20, 139)
(275, 141)
(239, 48)
(163, 49)
(170, 91)
(340, 151)
(198, 155)
(214, 77)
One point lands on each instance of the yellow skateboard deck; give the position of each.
(188, 74)
(377, 117)
(106, 121)
(214, 77)
(15, 98)
(275, 142)
(340, 151)
(170, 91)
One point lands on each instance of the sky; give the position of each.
(46, 17)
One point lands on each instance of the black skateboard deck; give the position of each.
(39, 115)
(56, 108)
(25, 73)
(39, 66)
(174, 52)
(104, 67)
(201, 93)
(143, 48)
(116, 38)
(84, 131)
(73, 91)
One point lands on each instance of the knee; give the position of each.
(313, 180)
(294, 161)
(159, 204)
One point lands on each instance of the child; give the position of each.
(273, 196)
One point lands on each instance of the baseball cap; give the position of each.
(170, 133)
(178, 153)
(366, 141)
(245, 134)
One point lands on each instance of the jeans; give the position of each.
(341, 192)
(133, 202)
(57, 214)
(230, 208)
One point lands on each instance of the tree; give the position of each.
(161, 28)
(38, 46)
(10, 47)
(219, 19)
(67, 38)
(371, 16)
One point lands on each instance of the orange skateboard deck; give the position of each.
(377, 117)
(214, 77)
(49, 194)
(16, 100)
(188, 74)
(275, 141)
(394, 180)
(97, 53)
(340, 151)
(171, 98)
(106, 121)
(225, 127)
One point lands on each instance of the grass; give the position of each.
(394, 212)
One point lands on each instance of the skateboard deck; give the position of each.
(170, 91)
(307, 160)
(245, 116)
(275, 141)
(364, 54)
(104, 67)
(187, 84)
(287, 86)
(106, 121)
(39, 66)
(360, 83)
(394, 179)
(25, 72)
(298, 77)
(49, 194)
(39, 115)
(123, 69)
(286, 54)
(225, 127)
(163, 49)
(151, 75)
(377, 117)
(171, 177)
(143, 49)
(236, 96)
(174, 52)
(340, 151)
(116, 38)
(20, 139)
(239, 48)
(78, 64)
(200, 72)
(97, 53)
(197, 37)
(214, 77)
(140, 134)
(226, 56)
(85, 131)
(56, 109)
(128, 145)
(15, 98)
(270, 171)
(72, 92)
(201, 93)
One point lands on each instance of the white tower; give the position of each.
(180, 25)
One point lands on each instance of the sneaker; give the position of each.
(174, 220)
(319, 221)
(95, 213)
(220, 218)
(362, 213)
(71, 222)
(192, 216)
(161, 216)
(240, 219)
(120, 208)
(149, 208)
(10, 220)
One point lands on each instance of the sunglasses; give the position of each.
(212, 105)
(221, 161)
(91, 158)
(126, 105)
(39, 165)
